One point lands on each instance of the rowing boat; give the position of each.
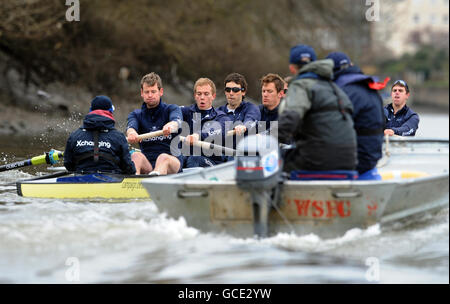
(103, 186)
(65, 185)
(415, 179)
(420, 167)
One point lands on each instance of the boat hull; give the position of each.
(415, 180)
(305, 207)
(415, 196)
(126, 187)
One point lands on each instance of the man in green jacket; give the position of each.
(317, 115)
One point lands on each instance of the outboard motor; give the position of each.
(258, 171)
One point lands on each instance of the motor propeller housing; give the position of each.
(258, 163)
(258, 170)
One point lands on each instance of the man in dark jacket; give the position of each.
(368, 114)
(204, 123)
(317, 115)
(244, 114)
(400, 119)
(156, 157)
(97, 146)
(272, 91)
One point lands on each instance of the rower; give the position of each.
(156, 157)
(204, 122)
(97, 146)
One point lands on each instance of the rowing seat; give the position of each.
(324, 175)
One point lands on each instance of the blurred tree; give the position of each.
(180, 39)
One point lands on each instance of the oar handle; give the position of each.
(234, 132)
(211, 146)
(150, 134)
(231, 132)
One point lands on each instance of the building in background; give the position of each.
(405, 24)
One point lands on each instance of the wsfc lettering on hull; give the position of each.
(321, 209)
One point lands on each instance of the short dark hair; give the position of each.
(237, 78)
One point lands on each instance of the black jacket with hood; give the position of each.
(113, 154)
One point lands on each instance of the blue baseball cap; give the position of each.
(301, 54)
(340, 60)
(102, 102)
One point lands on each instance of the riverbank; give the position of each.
(39, 112)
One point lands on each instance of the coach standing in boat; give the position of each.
(272, 91)
(154, 115)
(400, 119)
(368, 116)
(316, 114)
(243, 114)
(205, 123)
(97, 146)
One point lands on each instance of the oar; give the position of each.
(387, 153)
(231, 132)
(211, 146)
(51, 157)
(150, 134)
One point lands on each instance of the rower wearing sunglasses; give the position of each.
(400, 119)
(243, 114)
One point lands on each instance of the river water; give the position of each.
(69, 241)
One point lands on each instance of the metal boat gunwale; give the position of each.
(54, 179)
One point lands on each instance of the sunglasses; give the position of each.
(401, 82)
(235, 89)
(285, 91)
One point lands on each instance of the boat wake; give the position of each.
(313, 243)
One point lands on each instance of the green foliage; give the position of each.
(428, 60)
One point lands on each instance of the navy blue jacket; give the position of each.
(114, 156)
(146, 120)
(367, 115)
(267, 116)
(211, 124)
(247, 113)
(404, 123)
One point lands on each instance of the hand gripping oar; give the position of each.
(50, 158)
(150, 134)
(231, 132)
(211, 146)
